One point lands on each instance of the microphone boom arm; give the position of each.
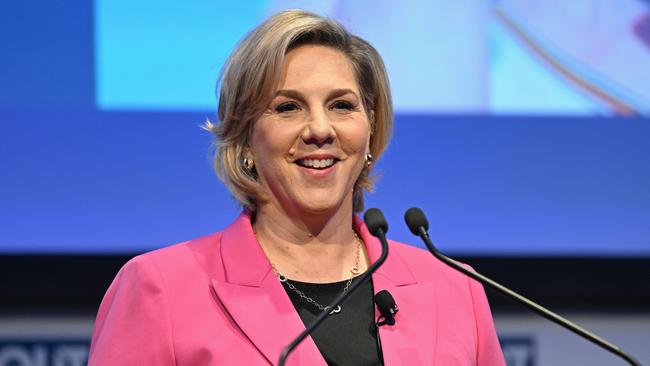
(546, 313)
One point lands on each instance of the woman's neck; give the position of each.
(309, 248)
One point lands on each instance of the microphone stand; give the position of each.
(422, 232)
(379, 233)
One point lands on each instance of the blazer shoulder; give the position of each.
(181, 261)
(424, 266)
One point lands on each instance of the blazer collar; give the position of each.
(244, 260)
(259, 305)
(394, 271)
(416, 319)
(256, 301)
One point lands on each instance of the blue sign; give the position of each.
(44, 352)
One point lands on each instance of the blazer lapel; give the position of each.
(413, 339)
(258, 304)
(255, 299)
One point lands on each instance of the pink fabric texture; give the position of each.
(216, 301)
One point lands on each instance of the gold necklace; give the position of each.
(354, 270)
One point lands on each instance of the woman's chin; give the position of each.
(319, 208)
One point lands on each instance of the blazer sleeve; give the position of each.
(488, 352)
(133, 325)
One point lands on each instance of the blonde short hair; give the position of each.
(251, 76)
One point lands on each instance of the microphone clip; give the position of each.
(387, 308)
(388, 316)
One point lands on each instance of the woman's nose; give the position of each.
(319, 129)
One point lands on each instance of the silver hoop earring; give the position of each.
(369, 160)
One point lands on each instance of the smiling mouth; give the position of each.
(316, 163)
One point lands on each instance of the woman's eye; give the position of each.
(342, 104)
(286, 107)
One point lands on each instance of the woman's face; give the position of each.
(309, 146)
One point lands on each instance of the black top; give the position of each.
(348, 337)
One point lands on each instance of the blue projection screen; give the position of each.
(517, 132)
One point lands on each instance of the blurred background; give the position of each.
(522, 129)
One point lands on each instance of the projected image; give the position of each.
(521, 126)
(510, 56)
(598, 50)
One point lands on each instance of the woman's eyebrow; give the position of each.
(289, 93)
(341, 92)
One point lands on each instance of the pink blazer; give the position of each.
(215, 301)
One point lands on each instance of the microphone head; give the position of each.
(385, 301)
(415, 219)
(375, 220)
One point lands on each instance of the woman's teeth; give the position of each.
(316, 163)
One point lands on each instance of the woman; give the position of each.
(304, 110)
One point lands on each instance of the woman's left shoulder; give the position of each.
(423, 265)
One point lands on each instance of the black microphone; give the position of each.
(387, 307)
(418, 224)
(376, 223)
(378, 227)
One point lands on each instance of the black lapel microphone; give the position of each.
(378, 227)
(419, 226)
(387, 307)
